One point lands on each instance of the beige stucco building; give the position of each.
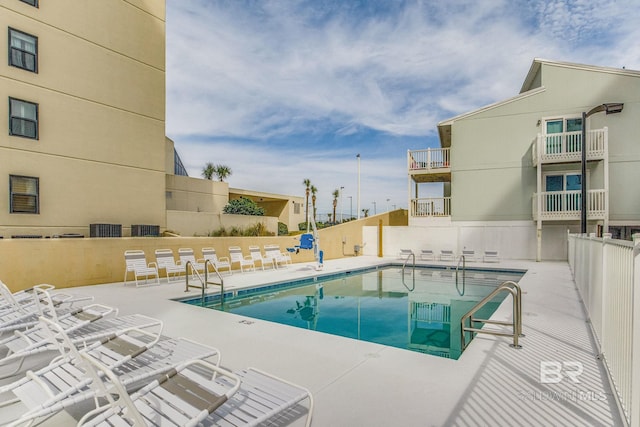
(511, 171)
(84, 140)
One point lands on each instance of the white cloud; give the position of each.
(265, 72)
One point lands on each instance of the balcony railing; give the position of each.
(431, 207)
(567, 146)
(566, 205)
(431, 158)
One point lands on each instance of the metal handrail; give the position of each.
(464, 274)
(516, 293)
(206, 282)
(413, 271)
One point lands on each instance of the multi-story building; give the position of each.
(511, 172)
(84, 102)
(83, 148)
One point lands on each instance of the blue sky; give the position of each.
(283, 90)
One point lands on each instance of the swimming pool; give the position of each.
(376, 305)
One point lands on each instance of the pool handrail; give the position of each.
(204, 283)
(464, 274)
(516, 293)
(413, 272)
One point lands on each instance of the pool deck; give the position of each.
(357, 383)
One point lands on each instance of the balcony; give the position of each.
(431, 207)
(565, 205)
(430, 165)
(566, 147)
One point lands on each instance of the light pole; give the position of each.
(388, 205)
(610, 108)
(358, 195)
(350, 207)
(341, 206)
(374, 207)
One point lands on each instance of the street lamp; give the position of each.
(350, 207)
(358, 195)
(610, 108)
(374, 207)
(341, 206)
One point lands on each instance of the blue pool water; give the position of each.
(376, 305)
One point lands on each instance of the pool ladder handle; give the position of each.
(516, 293)
(204, 283)
(464, 274)
(413, 271)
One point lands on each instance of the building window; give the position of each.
(23, 118)
(31, 2)
(563, 135)
(297, 207)
(23, 50)
(24, 194)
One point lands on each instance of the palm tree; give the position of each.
(208, 170)
(307, 184)
(365, 212)
(222, 172)
(314, 190)
(335, 194)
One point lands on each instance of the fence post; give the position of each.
(634, 412)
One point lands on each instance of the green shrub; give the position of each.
(283, 230)
(243, 206)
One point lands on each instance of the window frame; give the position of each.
(36, 121)
(33, 3)
(36, 196)
(11, 48)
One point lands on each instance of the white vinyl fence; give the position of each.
(607, 274)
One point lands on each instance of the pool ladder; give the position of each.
(464, 274)
(204, 283)
(516, 294)
(413, 271)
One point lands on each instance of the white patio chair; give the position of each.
(195, 393)
(187, 257)
(279, 258)
(220, 263)
(136, 263)
(491, 256)
(446, 255)
(404, 253)
(135, 356)
(166, 262)
(427, 255)
(469, 255)
(235, 252)
(256, 255)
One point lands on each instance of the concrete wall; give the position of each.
(203, 223)
(77, 262)
(100, 90)
(513, 240)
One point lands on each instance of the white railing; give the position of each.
(607, 274)
(567, 205)
(431, 158)
(432, 206)
(567, 146)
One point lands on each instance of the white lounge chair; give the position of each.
(279, 258)
(256, 255)
(196, 393)
(188, 261)
(427, 255)
(136, 356)
(469, 255)
(235, 253)
(166, 262)
(491, 256)
(446, 255)
(136, 263)
(405, 253)
(84, 326)
(221, 263)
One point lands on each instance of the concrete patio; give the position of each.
(358, 383)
